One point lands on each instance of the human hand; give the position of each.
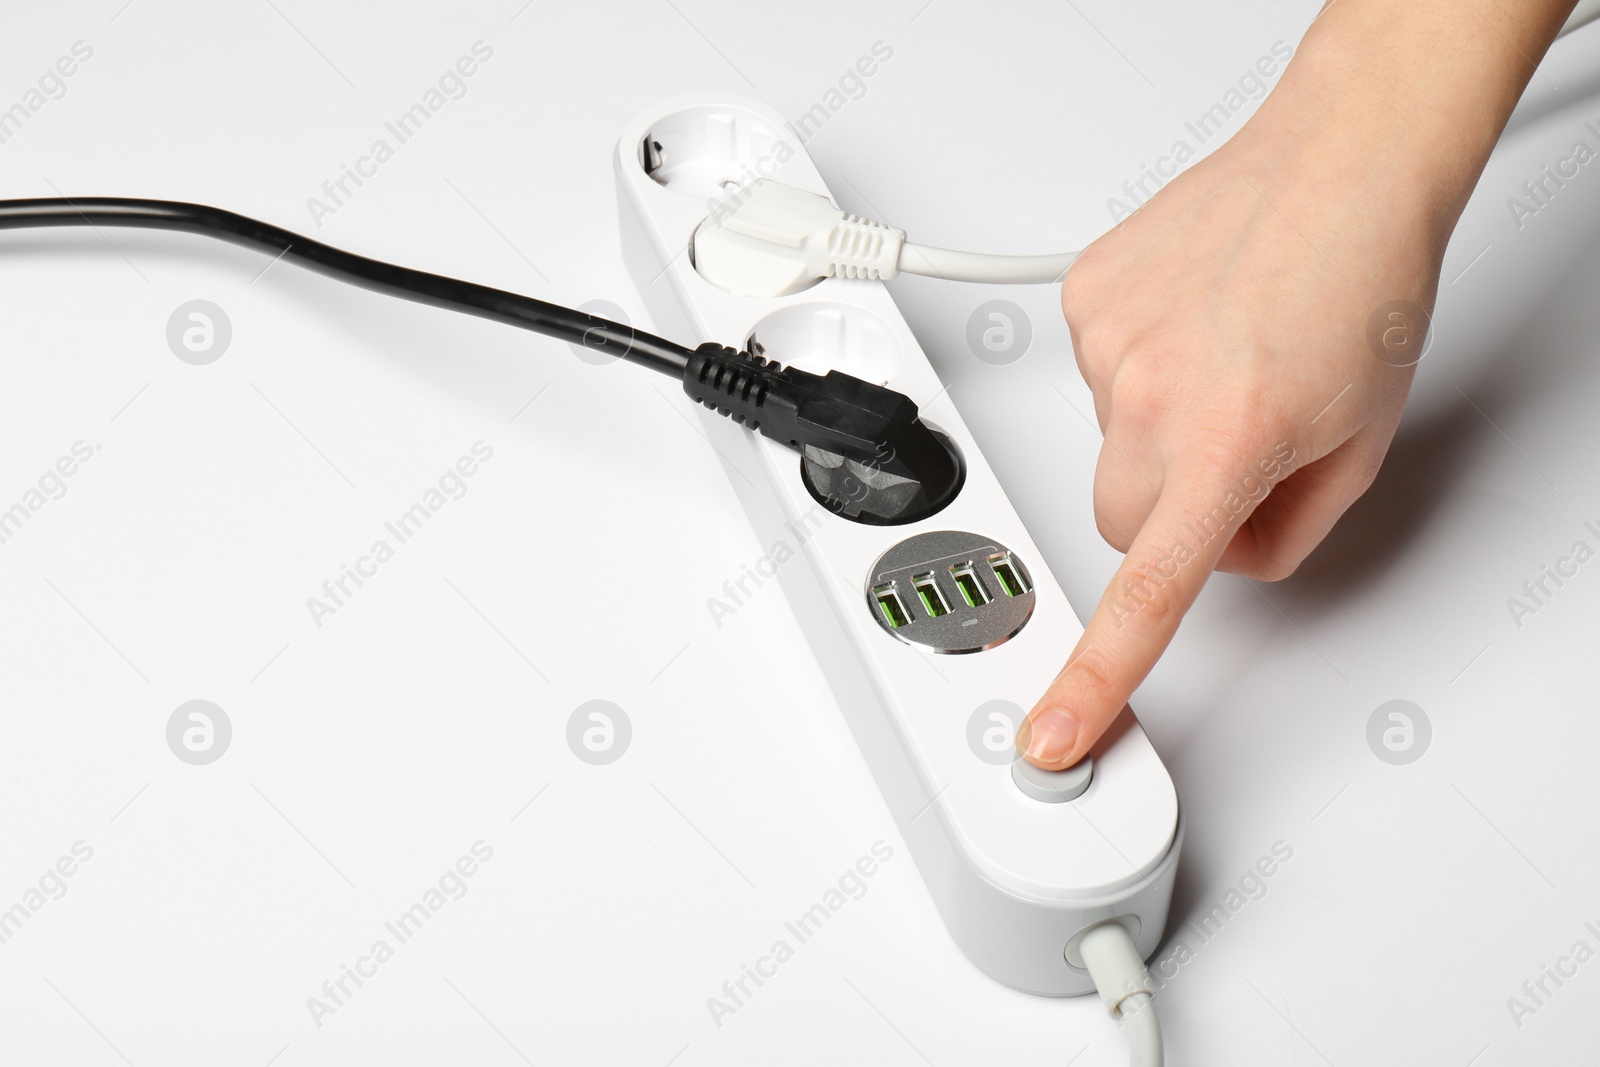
(1250, 334)
(1224, 332)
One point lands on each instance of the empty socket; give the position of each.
(712, 151)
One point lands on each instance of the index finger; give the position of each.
(1163, 572)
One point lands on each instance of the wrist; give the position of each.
(1335, 127)
(1378, 126)
(1353, 189)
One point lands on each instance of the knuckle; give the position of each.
(1227, 451)
(1075, 294)
(1099, 344)
(1142, 372)
(1241, 439)
(1254, 402)
(1147, 597)
(1083, 284)
(1092, 673)
(1141, 392)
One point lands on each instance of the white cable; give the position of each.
(1144, 1031)
(983, 266)
(769, 239)
(1114, 963)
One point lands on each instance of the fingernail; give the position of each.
(1054, 732)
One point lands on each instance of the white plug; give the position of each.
(774, 240)
(768, 239)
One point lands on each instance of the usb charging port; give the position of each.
(928, 591)
(1012, 581)
(894, 611)
(970, 585)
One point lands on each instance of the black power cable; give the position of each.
(867, 454)
(522, 311)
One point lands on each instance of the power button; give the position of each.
(1053, 787)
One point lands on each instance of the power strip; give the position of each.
(1020, 862)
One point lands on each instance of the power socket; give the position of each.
(933, 634)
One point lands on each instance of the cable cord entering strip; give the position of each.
(1114, 963)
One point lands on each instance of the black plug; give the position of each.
(866, 454)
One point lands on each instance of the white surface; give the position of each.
(1417, 899)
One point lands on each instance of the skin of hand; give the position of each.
(1249, 334)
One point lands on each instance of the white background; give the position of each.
(368, 754)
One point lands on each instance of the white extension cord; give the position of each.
(1124, 985)
(1016, 910)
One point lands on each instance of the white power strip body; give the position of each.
(1013, 877)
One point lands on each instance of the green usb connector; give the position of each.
(894, 611)
(949, 592)
(928, 592)
(1012, 581)
(971, 586)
